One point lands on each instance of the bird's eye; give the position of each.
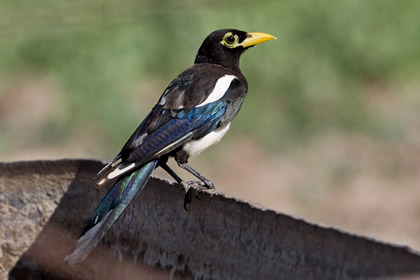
(230, 40)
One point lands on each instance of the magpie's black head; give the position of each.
(225, 46)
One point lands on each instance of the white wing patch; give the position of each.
(194, 148)
(123, 168)
(222, 85)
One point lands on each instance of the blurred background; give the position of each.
(330, 129)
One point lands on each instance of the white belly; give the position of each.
(195, 147)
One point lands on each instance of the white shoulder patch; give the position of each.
(222, 85)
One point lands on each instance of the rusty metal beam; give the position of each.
(43, 205)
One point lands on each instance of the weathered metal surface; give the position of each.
(43, 205)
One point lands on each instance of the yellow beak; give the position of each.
(255, 38)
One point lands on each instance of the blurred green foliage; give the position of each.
(105, 56)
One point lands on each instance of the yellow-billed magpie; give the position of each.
(193, 113)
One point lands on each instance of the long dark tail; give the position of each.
(109, 210)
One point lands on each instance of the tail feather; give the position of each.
(109, 210)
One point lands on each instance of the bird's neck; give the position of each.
(232, 63)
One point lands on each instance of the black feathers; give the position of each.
(212, 51)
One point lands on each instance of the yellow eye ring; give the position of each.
(230, 40)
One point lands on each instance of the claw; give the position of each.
(196, 195)
(189, 190)
(187, 201)
(187, 197)
(209, 184)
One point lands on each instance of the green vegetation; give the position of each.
(110, 61)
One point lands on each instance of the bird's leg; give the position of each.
(171, 172)
(185, 185)
(194, 172)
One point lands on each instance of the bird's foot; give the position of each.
(191, 188)
(208, 184)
